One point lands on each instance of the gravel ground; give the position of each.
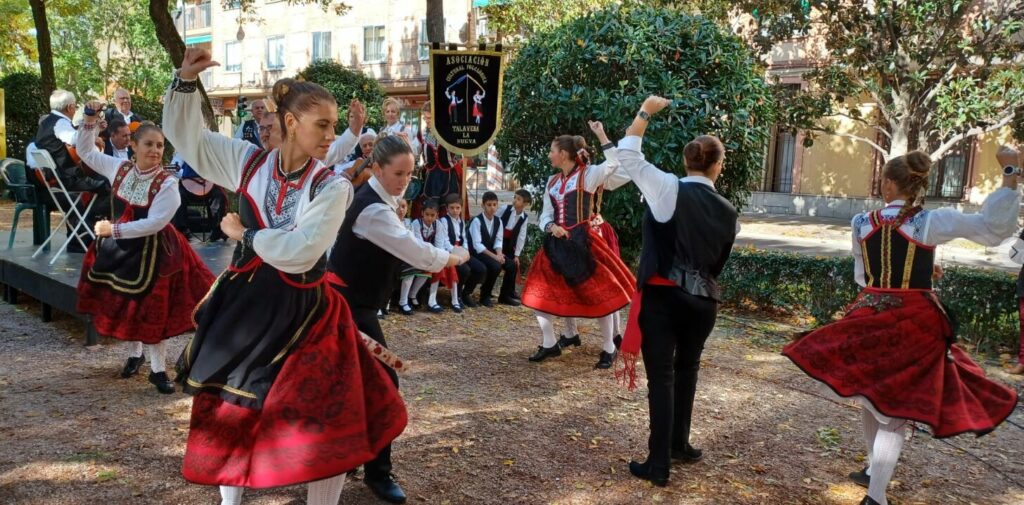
(486, 426)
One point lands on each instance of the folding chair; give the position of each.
(41, 162)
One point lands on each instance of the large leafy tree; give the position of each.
(937, 72)
(346, 84)
(602, 65)
(18, 49)
(514, 19)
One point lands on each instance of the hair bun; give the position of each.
(281, 88)
(694, 153)
(919, 163)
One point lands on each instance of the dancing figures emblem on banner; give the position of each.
(465, 95)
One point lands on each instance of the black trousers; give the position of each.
(471, 273)
(491, 272)
(508, 281)
(366, 320)
(675, 325)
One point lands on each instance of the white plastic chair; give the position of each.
(40, 160)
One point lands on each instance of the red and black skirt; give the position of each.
(578, 276)
(285, 392)
(142, 289)
(894, 349)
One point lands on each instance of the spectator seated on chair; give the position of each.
(54, 135)
(122, 109)
(117, 143)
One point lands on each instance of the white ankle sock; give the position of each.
(885, 455)
(134, 349)
(570, 327)
(433, 293)
(547, 328)
(231, 495)
(326, 491)
(607, 324)
(157, 354)
(403, 297)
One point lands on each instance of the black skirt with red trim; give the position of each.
(894, 349)
(285, 392)
(606, 290)
(162, 308)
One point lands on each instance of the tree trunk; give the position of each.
(435, 21)
(44, 47)
(168, 36)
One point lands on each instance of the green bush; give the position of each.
(346, 84)
(983, 301)
(603, 65)
(24, 103)
(152, 110)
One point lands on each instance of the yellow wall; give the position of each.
(3, 128)
(988, 175)
(836, 165)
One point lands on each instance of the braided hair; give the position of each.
(910, 174)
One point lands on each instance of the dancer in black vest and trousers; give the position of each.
(371, 246)
(688, 232)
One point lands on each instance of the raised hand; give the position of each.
(196, 61)
(598, 128)
(356, 116)
(654, 103)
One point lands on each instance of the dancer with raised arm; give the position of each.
(286, 392)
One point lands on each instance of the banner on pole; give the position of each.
(465, 98)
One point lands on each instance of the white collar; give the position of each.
(392, 201)
(698, 179)
(61, 114)
(491, 220)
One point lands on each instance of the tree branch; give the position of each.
(858, 138)
(936, 155)
(864, 122)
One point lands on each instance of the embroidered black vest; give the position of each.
(893, 260)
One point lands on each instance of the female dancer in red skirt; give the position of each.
(284, 391)
(141, 279)
(575, 274)
(893, 351)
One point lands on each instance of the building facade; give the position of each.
(381, 38)
(838, 176)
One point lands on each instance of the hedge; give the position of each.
(983, 301)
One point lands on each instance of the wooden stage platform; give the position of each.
(55, 285)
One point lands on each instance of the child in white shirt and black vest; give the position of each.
(453, 232)
(514, 218)
(486, 232)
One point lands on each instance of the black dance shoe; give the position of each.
(617, 340)
(516, 297)
(386, 489)
(162, 383)
(861, 478)
(405, 310)
(644, 471)
(508, 300)
(486, 301)
(468, 302)
(605, 361)
(564, 341)
(436, 309)
(688, 454)
(457, 308)
(868, 501)
(544, 353)
(132, 366)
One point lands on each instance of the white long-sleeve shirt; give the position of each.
(311, 226)
(342, 146)
(996, 221)
(134, 188)
(514, 218)
(442, 240)
(64, 129)
(594, 177)
(493, 224)
(379, 224)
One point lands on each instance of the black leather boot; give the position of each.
(644, 471)
(688, 454)
(386, 489)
